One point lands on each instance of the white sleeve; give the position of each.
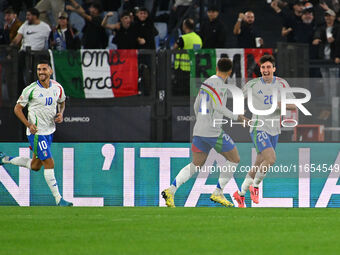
(62, 96)
(221, 108)
(285, 85)
(225, 111)
(21, 29)
(196, 104)
(25, 96)
(244, 90)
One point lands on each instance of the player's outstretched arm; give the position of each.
(60, 115)
(225, 111)
(196, 105)
(21, 116)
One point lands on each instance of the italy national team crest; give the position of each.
(45, 153)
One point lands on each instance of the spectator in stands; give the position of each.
(190, 40)
(177, 12)
(50, 8)
(305, 30)
(247, 35)
(145, 29)
(212, 31)
(94, 35)
(290, 18)
(328, 38)
(33, 33)
(125, 36)
(63, 36)
(12, 24)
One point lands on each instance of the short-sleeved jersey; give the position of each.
(262, 100)
(34, 35)
(42, 105)
(209, 106)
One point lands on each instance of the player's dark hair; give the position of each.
(34, 12)
(189, 23)
(44, 61)
(224, 65)
(266, 58)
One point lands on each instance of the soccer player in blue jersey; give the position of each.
(210, 106)
(264, 134)
(42, 97)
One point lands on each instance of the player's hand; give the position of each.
(241, 16)
(33, 129)
(241, 118)
(59, 118)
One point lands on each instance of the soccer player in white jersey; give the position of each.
(264, 133)
(209, 106)
(42, 97)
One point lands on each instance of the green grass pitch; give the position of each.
(152, 230)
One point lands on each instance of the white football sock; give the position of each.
(258, 178)
(245, 185)
(225, 175)
(19, 161)
(184, 175)
(52, 184)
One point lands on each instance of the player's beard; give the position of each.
(43, 77)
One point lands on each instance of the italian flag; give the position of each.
(96, 73)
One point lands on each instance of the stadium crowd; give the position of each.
(135, 24)
(170, 24)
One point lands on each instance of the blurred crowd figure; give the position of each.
(247, 35)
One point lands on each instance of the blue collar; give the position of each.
(274, 79)
(38, 82)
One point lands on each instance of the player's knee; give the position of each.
(236, 159)
(35, 168)
(272, 160)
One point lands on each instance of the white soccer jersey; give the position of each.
(209, 106)
(35, 36)
(42, 105)
(262, 100)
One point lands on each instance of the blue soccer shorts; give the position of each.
(223, 143)
(262, 140)
(41, 145)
